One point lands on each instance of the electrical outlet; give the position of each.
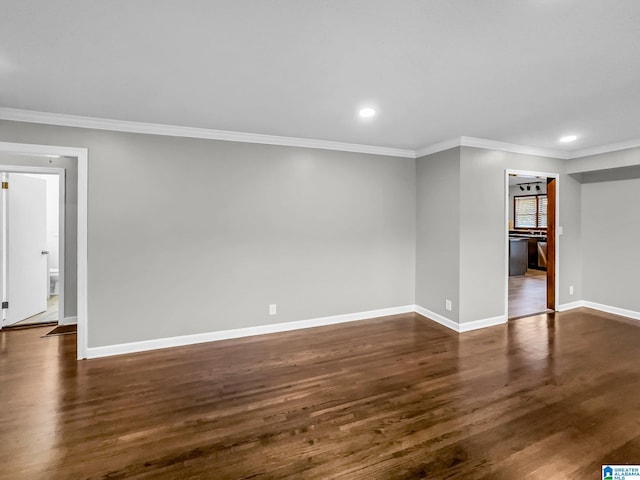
(570, 289)
(447, 304)
(273, 309)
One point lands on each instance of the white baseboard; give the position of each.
(482, 323)
(615, 310)
(601, 307)
(447, 322)
(570, 306)
(142, 346)
(95, 352)
(68, 321)
(461, 327)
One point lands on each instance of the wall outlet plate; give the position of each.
(448, 305)
(273, 309)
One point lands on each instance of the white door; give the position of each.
(26, 247)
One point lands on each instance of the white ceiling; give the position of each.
(524, 72)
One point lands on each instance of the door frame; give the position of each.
(61, 172)
(81, 155)
(556, 233)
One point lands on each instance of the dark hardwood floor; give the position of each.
(547, 397)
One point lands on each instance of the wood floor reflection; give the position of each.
(551, 396)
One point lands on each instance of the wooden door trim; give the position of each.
(551, 241)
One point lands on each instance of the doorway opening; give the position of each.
(531, 243)
(32, 245)
(78, 157)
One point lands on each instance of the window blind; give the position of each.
(530, 211)
(542, 211)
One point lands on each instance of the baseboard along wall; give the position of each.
(183, 340)
(623, 312)
(95, 352)
(68, 321)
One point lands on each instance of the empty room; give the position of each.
(320, 239)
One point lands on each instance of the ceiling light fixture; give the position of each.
(528, 186)
(367, 112)
(568, 138)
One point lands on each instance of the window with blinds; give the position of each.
(530, 211)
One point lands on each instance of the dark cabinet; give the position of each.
(518, 256)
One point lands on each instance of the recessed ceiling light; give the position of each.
(367, 112)
(568, 138)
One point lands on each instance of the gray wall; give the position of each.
(71, 218)
(190, 236)
(610, 226)
(482, 226)
(438, 232)
(610, 232)
(461, 230)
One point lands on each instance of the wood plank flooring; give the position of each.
(551, 396)
(527, 293)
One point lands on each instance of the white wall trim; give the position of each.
(613, 147)
(436, 317)
(490, 145)
(82, 156)
(524, 149)
(623, 312)
(482, 323)
(615, 310)
(95, 352)
(184, 340)
(460, 327)
(512, 148)
(438, 147)
(68, 321)
(30, 116)
(570, 306)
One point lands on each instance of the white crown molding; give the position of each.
(30, 116)
(438, 147)
(524, 149)
(490, 145)
(614, 147)
(512, 148)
